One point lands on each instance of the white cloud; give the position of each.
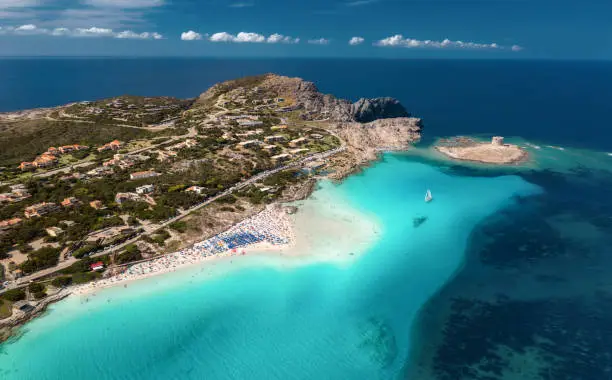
(92, 32)
(319, 41)
(356, 41)
(516, 48)
(399, 41)
(128, 34)
(125, 4)
(190, 36)
(30, 29)
(247, 37)
(222, 37)
(279, 38)
(60, 32)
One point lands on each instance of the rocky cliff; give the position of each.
(367, 110)
(323, 106)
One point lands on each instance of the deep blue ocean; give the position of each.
(507, 278)
(562, 102)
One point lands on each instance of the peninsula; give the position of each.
(99, 191)
(495, 152)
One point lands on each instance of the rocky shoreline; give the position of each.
(9, 326)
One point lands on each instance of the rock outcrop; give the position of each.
(367, 110)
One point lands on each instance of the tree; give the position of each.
(60, 282)
(45, 257)
(14, 295)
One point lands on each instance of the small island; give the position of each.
(495, 152)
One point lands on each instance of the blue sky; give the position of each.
(560, 29)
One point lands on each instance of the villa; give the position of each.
(40, 209)
(249, 144)
(281, 157)
(97, 205)
(145, 174)
(124, 197)
(275, 138)
(6, 225)
(298, 142)
(54, 231)
(69, 202)
(196, 189)
(113, 145)
(146, 189)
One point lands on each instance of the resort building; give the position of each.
(97, 266)
(145, 174)
(27, 166)
(278, 127)
(40, 209)
(113, 145)
(18, 194)
(54, 231)
(271, 148)
(249, 123)
(164, 155)
(124, 197)
(146, 189)
(299, 151)
(45, 160)
(298, 142)
(96, 204)
(281, 157)
(196, 189)
(275, 138)
(249, 144)
(316, 136)
(7, 224)
(69, 148)
(70, 202)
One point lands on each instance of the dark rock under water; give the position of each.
(533, 300)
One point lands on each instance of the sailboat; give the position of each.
(428, 196)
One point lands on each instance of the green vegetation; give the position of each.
(37, 290)
(84, 250)
(179, 226)
(131, 253)
(6, 308)
(282, 178)
(40, 259)
(14, 295)
(62, 281)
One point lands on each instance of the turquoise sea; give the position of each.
(259, 321)
(508, 277)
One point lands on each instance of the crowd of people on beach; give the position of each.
(270, 227)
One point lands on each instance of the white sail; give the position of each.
(428, 196)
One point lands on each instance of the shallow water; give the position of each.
(261, 320)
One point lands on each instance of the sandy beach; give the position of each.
(326, 229)
(267, 231)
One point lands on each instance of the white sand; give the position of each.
(328, 230)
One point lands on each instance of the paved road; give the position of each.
(64, 264)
